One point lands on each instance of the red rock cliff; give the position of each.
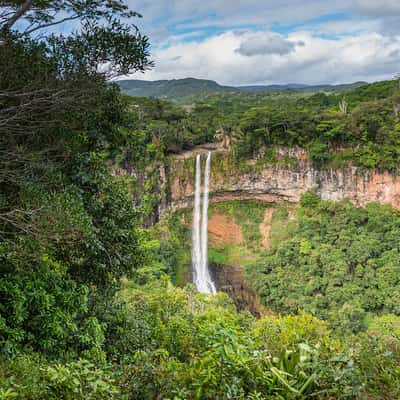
(283, 181)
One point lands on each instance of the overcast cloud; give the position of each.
(272, 41)
(378, 8)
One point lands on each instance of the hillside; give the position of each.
(174, 88)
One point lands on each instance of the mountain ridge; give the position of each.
(175, 88)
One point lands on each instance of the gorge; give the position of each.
(271, 184)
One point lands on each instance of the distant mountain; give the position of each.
(172, 88)
(175, 88)
(272, 88)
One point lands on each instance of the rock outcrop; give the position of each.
(230, 279)
(285, 181)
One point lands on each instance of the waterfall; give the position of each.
(196, 250)
(202, 278)
(204, 228)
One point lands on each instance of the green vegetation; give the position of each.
(87, 310)
(169, 245)
(162, 127)
(171, 88)
(359, 126)
(367, 127)
(174, 343)
(341, 264)
(68, 228)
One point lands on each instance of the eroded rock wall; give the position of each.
(287, 179)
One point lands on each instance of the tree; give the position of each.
(48, 82)
(101, 39)
(226, 138)
(36, 15)
(60, 123)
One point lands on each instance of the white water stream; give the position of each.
(196, 250)
(202, 278)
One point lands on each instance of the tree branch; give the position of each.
(19, 13)
(28, 32)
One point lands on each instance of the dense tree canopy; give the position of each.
(66, 224)
(365, 132)
(341, 264)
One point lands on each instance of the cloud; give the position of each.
(344, 27)
(384, 13)
(272, 41)
(157, 35)
(191, 14)
(366, 56)
(377, 8)
(262, 43)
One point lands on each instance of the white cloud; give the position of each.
(367, 56)
(363, 45)
(384, 13)
(263, 43)
(186, 15)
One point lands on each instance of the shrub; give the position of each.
(31, 377)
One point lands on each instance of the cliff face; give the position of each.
(282, 181)
(230, 279)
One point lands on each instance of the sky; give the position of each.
(237, 42)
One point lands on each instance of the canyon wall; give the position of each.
(286, 179)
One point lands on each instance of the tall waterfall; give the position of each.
(196, 250)
(202, 278)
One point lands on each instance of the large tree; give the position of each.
(60, 118)
(49, 80)
(67, 226)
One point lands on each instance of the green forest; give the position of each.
(360, 126)
(94, 302)
(339, 264)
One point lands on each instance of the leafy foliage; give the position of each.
(72, 231)
(68, 227)
(366, 134)
(341, 264)
(175, 343)
(34, 378)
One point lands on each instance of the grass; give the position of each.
(218, 256)
(232, 254)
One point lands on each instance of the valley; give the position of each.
(297, 226)
(179, 239)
